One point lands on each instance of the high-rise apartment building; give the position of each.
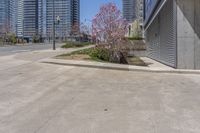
(139, 11)
(129, 10)
(28, 18)
(19, 18)
(68, 13)
(132, 10)
(12, 15)
(3, 14)
(75, 16)
(30, 21)
(44, 18)
(8, 16)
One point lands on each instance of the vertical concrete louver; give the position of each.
(161, 36)
(172, 32)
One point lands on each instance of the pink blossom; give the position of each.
(108, 26)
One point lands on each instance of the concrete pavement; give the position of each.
(10, 50)
(43, 98)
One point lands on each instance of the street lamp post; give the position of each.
(54, 41)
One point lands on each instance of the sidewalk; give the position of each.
(23, 44)
(154, 66)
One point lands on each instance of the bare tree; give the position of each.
(85, 32)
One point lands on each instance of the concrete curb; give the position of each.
(99, 65)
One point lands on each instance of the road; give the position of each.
(9, 50)
(36, 97)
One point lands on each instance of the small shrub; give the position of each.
(100, 53)
(13, 39)
(1, 41)
(68, 45)
(36, 39)
(10, 38)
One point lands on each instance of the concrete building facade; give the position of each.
(172, 30)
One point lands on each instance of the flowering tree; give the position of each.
(109, 28)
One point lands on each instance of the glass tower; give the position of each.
(20, 18)
(139, 11)
(30, 24)
(28, 18)
(129, 10)
(69, 14)
(8, 16)
(3, 14)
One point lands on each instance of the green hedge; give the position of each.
(100, 53)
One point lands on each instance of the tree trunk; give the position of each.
(117, 57)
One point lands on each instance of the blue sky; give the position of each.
(89, 8)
